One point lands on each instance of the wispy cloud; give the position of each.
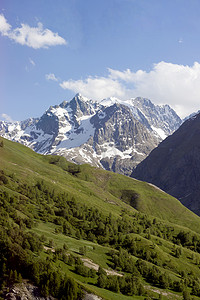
(34, 37)
(51, 76)
(30, 66)
(7, 118)
(180, 41)
(31, 62)
(176, 85)
(4, 26)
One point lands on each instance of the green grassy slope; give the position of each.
(144, 197)
(104, 189)
(74, 208)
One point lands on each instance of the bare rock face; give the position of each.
(118, 132)
(112, 134)
(91, 297)
(174, 165)
(25, 291)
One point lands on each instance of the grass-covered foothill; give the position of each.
(71, 229)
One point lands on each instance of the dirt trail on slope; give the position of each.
(90, 264)
(169, 295)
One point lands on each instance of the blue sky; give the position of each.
(50, 50)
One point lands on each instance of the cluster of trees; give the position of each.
(83, 270)
(123, 261)
(16, 263)
(18, 259)
(3, 178)
(53, 282)
(196, 287)
(89, 223)
(127, 284)
(40, 201)
(75, 261)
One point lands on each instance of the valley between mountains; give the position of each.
(73, 226)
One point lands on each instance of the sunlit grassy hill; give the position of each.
(64, 219)
(105, 189)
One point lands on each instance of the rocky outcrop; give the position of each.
(25, 291)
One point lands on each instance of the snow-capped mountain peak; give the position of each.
(81, 97)
(111, 133)
(191, 116)
(110, 101)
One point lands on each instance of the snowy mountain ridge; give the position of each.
(112, 133)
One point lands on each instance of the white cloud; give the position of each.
(51, 76)
(4, 26)
(34, 37)
(7, 118)
(167, 83)
(96, 88)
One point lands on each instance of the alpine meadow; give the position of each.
(74, 230)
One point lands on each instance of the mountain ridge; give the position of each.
(78, 130)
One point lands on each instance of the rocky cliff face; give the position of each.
(174, 165)
(161, 119)
(112, 134)
(120, 140)
(25, 291)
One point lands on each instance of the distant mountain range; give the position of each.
(174, 165)
(113, 134)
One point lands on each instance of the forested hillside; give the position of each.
(73, 229)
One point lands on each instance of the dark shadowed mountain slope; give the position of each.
(174, 165)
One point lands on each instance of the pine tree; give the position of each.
(19, 278)
(102, 281)
(186, 295)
